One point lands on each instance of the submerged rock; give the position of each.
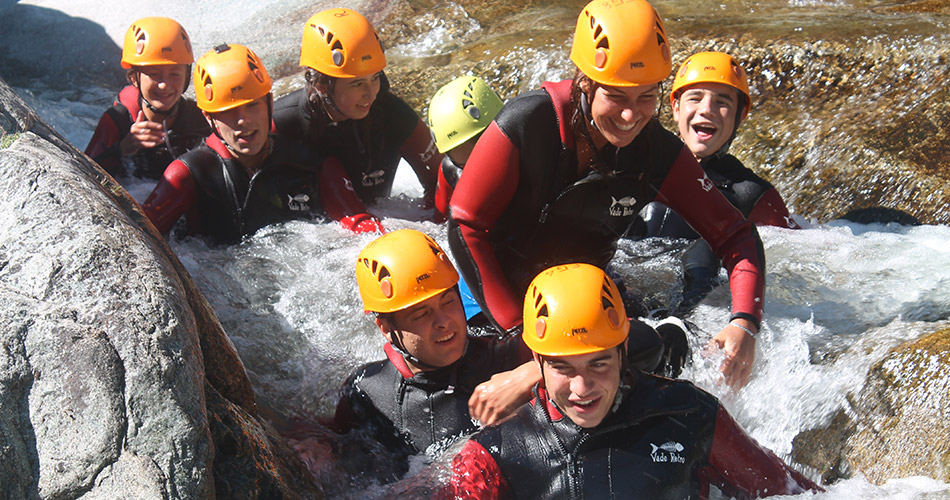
(897, 426)
(116, 379)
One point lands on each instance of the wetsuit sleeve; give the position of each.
(174, 196)
(476, 475)
(481, 196)
(341, 202)
(103, 147)
(420, 152)
(770, 210)
(740, 467)
(688, 191)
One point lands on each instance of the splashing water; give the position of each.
(838, 295)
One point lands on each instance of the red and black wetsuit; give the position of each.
(189, 129)
(410, 414)
(522, 206)
(668, 439)
(223, 201)
(755, 197)
(369, 148)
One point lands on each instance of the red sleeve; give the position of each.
(420, 152)
(770, 210)
(476, 475)
(732, 238)
(482, 194)
(174, 195)
(103, 147)
(740, 466)
(341, 202)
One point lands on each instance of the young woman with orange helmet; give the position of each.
(562, 172)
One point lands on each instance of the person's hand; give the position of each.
(500, 396)
(739, 349)
(363, 223)
(142, 134)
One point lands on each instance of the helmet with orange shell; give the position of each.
(621, 43)
(401, 269)
(156, 40)
(712, 67)
(229, 76)
(341, 43)
(573, 309)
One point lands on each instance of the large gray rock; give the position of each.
(115, 376)
(898, 425)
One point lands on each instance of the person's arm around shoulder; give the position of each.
(174, 196)
(744, 467)
(504, 393)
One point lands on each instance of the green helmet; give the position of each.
(460, 110)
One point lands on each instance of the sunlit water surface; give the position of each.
(838, 296)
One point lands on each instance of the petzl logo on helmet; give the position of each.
(577, 331)
(422, 277)
(365, 58)
(236, 89)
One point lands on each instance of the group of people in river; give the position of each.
(567, 398)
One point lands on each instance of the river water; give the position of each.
(839, 294)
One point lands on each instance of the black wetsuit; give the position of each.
(224, 202)
(755, 197)
(425, 412)
(667, 439)
(523, 206)
(369, 148)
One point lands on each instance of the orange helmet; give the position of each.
(622, 44)
(401, 269)
(341, 43)
(573, 309)
(156, 40)
(228, 76)
(712, 67)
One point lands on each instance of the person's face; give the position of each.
(706, 116)
(433, 330)
(161, 85)
(354, 96)
(459, 154)
(244, 128)
(584, 385)
(620, 113)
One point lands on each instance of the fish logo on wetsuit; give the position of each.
(622, 207)
(375, 178)
(667, 452)
(298, 202)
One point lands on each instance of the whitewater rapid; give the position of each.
(838, 295)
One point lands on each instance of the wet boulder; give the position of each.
(899, 423)
(116, 378)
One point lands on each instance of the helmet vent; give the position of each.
(384, 273)
(604, 43)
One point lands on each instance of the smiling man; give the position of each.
(710, 98)
(241, 177)
(416, 400)
(598, 428)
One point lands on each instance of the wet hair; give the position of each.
(580, 118)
